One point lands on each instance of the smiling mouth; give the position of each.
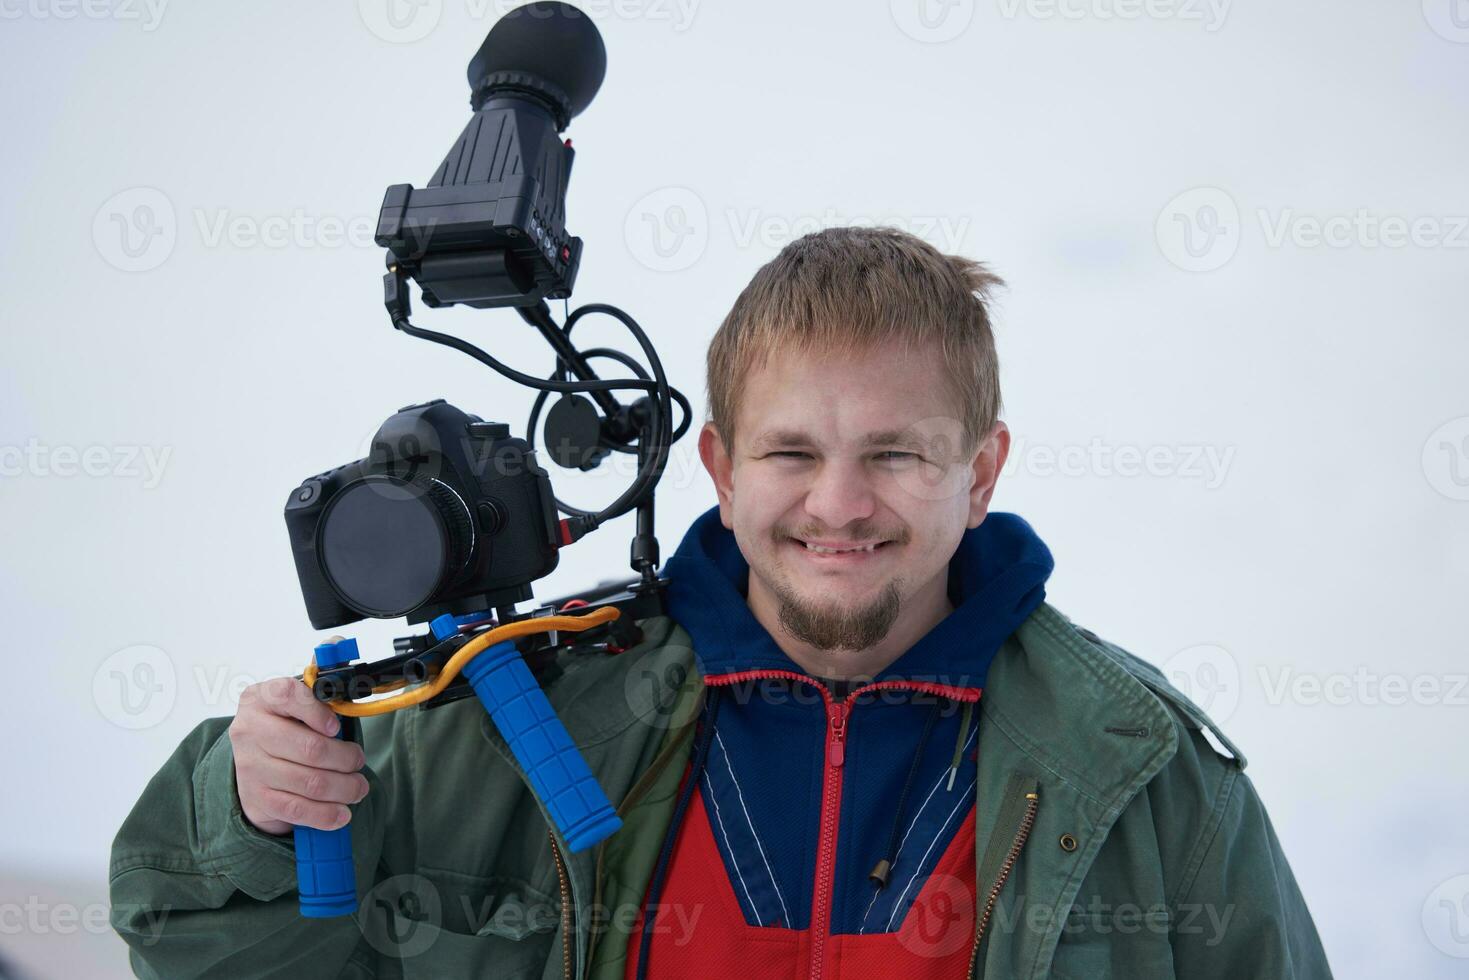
(850, 553)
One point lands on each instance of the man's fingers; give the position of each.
(291, 741)
(290, 698)
(321, 785)
(301, 812)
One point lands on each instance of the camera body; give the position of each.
(448, 513)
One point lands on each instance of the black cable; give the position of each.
(881, 873)
(660, 407)
(660, 404)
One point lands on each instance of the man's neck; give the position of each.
(916, 617)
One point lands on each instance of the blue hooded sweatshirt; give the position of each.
(806, 792)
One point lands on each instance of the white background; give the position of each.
(1147, 178)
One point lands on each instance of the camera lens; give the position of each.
(388, 545)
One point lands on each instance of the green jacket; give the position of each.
(1112, 840)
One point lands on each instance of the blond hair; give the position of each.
(848, 290)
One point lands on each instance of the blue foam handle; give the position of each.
(558, 773)
(325, 877)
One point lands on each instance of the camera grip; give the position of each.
(557, 771)
(325, 877)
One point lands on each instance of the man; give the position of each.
(861, 744)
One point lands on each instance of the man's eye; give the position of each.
(788, 453)
(894, 455)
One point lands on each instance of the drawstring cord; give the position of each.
(964, 720)
(882, 872)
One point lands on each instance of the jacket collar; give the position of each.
(996, 579)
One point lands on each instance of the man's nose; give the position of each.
(839, 494)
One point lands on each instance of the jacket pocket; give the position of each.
(440, 923)
(1125, 944)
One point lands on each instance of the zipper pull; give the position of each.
(837, 751)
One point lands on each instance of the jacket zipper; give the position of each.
(567, 911)
(1027, 821)
(831, 810)
(837, 713)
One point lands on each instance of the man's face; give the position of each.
(850, 452)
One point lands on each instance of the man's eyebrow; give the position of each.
(777, 438)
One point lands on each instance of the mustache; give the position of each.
(858, 532)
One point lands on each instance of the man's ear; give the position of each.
(987, 465)
(721, 470)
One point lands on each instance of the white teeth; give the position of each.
(837, 551)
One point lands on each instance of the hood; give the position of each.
(996, 579)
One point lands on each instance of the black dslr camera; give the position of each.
(450, 514)
(447, 513)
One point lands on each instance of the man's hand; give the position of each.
(289, 767)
